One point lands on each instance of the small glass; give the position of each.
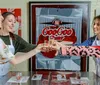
(18, 75)
(78, 75)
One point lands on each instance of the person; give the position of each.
(13, 49)
(95, 41)
(90, 47)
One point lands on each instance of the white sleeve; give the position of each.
(5, 52)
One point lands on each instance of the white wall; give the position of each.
(23, 4)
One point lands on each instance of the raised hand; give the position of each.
(46, 47)
(43, 47)
(51, 46)
(55, 44)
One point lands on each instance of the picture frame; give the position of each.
(42, 14)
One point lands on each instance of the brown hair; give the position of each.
(96, 17)
(5, 14)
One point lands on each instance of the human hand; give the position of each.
(55, 44)
(3, 50)
(45, 47)
(50, 47)
(1, 19)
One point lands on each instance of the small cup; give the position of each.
(18, 76)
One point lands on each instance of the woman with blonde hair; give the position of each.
(10, 44)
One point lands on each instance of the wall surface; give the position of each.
(23, 4)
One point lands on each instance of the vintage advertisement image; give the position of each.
(68, 23)
(65, 27)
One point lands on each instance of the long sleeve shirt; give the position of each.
(81, 51)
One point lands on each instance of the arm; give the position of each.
(18, 58)
(81, 51)
(77, 50)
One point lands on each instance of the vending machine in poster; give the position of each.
(64, 23)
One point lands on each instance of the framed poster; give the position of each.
(66, 22)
